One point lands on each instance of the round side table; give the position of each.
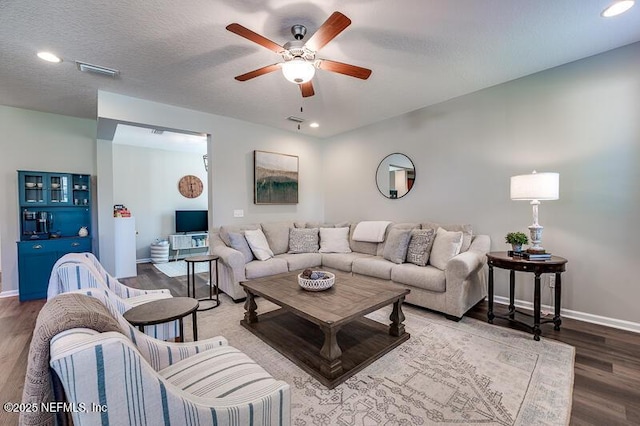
(191, 279)
(164, 310)
(555, 265)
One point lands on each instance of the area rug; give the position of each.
(179, 268)
(447, 373)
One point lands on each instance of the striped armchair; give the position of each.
(80, 273)
(139, 380)
(111, 282)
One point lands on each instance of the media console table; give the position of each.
(538, 267)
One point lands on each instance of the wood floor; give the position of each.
(607, 367)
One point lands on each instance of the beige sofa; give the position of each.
(452, 291)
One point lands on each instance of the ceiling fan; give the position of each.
(300, 61)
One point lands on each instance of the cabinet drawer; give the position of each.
(76, 245)
(39, 246)
(62, 246)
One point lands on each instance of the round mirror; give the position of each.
(395, 175)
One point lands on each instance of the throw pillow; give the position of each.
(466, 229)
(420, 246)
(446, 245)
(239, 242)
(258, 243)
(395, 249)
(277, 234)
(303, 240)
(334, 240)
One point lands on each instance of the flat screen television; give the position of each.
(191, 221)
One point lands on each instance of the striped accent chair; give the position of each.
(81, 274)
(111, 282)
(137, 380)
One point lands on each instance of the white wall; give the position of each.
(230, 184)
(580, 120)
(36, 141)
(146, 181)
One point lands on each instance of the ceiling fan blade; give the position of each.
(307, 89)
(258, 72)
(346, 69)
(254, 37)
(333, 26)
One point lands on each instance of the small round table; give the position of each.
(191, 278)
(556, 265)
(164, 310)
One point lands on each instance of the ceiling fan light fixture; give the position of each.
(298, 70)
(49, 57)
(617, 7)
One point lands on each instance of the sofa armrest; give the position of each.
(232, 258)
(461, 266)
(480, 243)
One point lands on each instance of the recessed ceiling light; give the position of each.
(314, 125)
(49, 57)
(617, 7)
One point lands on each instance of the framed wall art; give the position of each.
(275, 178)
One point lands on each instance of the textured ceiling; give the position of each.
(178, 52)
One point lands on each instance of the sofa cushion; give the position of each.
(239, 242)
(277, 234)
(373, 267)
(425, 277)
(224, 231)
(259, 269)
(466, 229)
(218, 372)
(446, 245)
(258, 243)
(301, 260)
(334, 240)
(341, 261)
(396, 245)
(402, 225)
(420, 246)
(303, 240)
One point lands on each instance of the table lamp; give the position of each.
(535, 187)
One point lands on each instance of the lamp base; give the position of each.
(535, 232)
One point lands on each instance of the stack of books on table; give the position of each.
(530, 256)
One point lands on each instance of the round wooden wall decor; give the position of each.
(190, 186)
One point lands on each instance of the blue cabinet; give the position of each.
(36, 259)
(53, 208)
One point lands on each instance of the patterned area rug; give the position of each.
(179, 268)
(447, 373)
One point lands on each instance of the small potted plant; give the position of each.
(516, 239)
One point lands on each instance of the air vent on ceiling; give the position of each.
(295, 119)
(157, 131)
(97, 69)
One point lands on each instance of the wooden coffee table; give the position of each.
(325, 333)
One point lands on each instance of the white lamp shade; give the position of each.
(298, 70)
(536, 186)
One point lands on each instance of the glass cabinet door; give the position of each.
(81, 190)
(32, 188)
(59, 189)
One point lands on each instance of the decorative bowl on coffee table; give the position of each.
(318, 284)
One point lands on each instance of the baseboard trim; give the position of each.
(577, 315)
(147, 260)
(8, 293)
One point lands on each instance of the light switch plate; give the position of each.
(238, 213)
